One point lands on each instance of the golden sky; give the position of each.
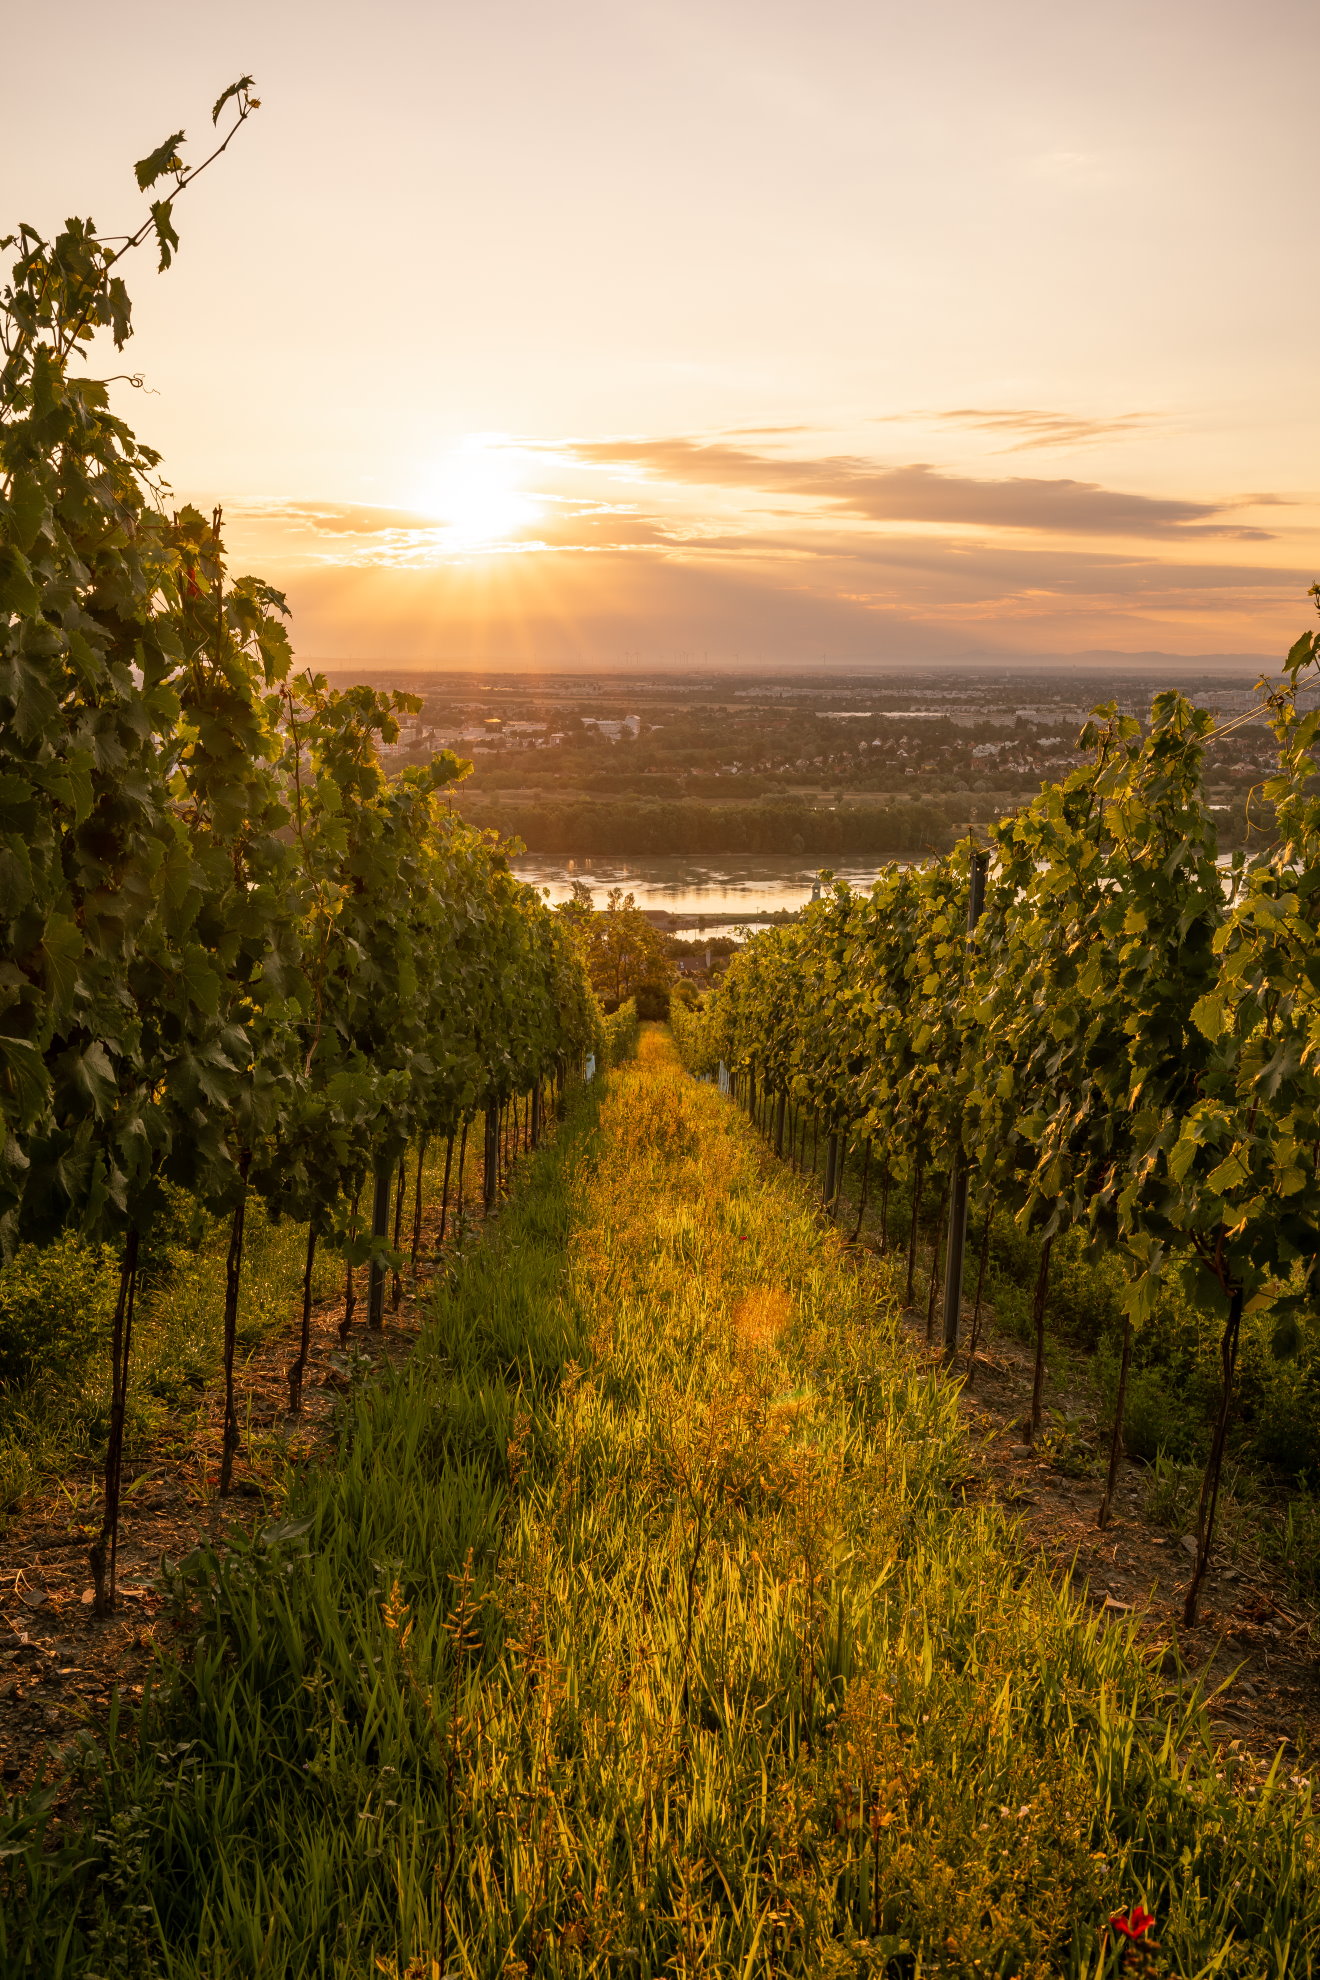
(631, 333)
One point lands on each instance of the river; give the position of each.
(752, 883)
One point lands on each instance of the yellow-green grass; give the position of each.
(642, 1624)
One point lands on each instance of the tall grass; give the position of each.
(643, 1623)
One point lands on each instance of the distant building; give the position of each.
(630, 726)
(412, 736)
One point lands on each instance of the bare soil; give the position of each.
(59, 1663)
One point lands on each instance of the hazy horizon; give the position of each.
(1153, 664)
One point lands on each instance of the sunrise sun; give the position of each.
(475, 491)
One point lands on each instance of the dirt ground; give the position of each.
(58, 1661)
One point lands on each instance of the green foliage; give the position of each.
(1162, 1423)
(783, 825)
(54, 1420)
(55, 1305)
(1296, 1545)
(233, 948)
(119, 689)
(620, 948)
(621, 1031)
(1128, 1046)
(692, 1038)
(235, 955)
(652, 1001)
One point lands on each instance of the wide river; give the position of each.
(750, 883)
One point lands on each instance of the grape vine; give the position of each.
(1129, 1044)
(237, 957)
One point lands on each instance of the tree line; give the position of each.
(584, 826)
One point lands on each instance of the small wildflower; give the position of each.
(1133, 1925)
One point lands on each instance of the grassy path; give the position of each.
(641, 1628)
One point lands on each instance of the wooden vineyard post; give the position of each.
(980, 1288)
(298, 1367)
(957, 1246)
(1205, 1518)
(832, 1166)
(350, 1282)
(912, 1231)
(396, 1282)
(380, 1229)
(417, 1198)
(490, 1159)
(444, 1193)
(933, 1289)
(1038, 1317)
(462, 1200)
(861, 1201)
(233, 1275)
(104, 1549)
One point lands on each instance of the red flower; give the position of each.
(1134, 1924)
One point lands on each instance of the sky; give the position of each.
(712, 332)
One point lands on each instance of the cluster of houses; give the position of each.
(494, 733)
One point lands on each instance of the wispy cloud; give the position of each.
(333, 518)
(356, 534)
(753, 545)
(1032, 427)
(917, 492)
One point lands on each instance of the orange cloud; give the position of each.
(669, 547)
(918, 492)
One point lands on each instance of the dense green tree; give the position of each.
(619, 946)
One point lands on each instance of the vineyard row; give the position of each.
(236, 958)
(1093, 1020)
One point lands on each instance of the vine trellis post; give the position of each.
(957, 1244)
(380, 1231)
